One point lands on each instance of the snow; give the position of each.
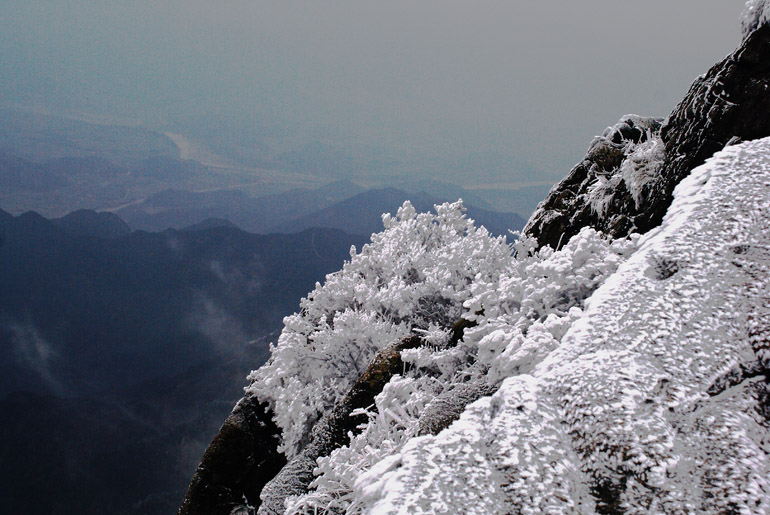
(620, 409)
(629, 374)
(412, 278)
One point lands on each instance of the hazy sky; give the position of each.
(529, 80)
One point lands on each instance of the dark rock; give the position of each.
(458, 331)
(571, 204)
(241, 459)
(728, 104)
(730, 101)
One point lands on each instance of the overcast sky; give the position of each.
(532, 80)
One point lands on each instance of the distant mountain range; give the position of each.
(523, 200)
(85, 222)
(108, 300)
(95, 318)
(154, 332)
(127, 328)
(362, 214)
(57, 186)
(180, 208)
(341, 205)
(54, 165)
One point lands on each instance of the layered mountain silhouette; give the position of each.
(179, 208)
(362, 214)
(341, 205)
(121, 352)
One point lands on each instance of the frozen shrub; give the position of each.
(412, 278)
(522, 311)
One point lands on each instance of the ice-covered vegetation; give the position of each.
(638, 141)
(655, 399)
(412, 278)
(630, 374)
(522, 311)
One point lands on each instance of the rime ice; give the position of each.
(628, 373)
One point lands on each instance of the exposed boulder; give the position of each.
(240, 460)
(626, 180)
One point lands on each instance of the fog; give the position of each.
(511, 90)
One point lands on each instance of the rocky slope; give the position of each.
(625, 181)
(655, 399)
(614, 361)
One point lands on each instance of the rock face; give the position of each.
(627, 177)
(242, 458)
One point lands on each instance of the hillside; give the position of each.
(120, 352)
(615, 359)
(145, 304)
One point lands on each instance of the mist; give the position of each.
(410, 88)
(35, 354)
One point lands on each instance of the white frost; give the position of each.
(624, 410)
(412, 278)
(631, 373)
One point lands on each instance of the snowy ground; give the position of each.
(651, 401)
(631, 373)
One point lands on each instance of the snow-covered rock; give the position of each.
(655, 400)
(615, 359)
(625, 181)
(755, 13)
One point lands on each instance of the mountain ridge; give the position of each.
(146, 335)
(362, 213)
(663, 410)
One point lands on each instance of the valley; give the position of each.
(144, 286)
